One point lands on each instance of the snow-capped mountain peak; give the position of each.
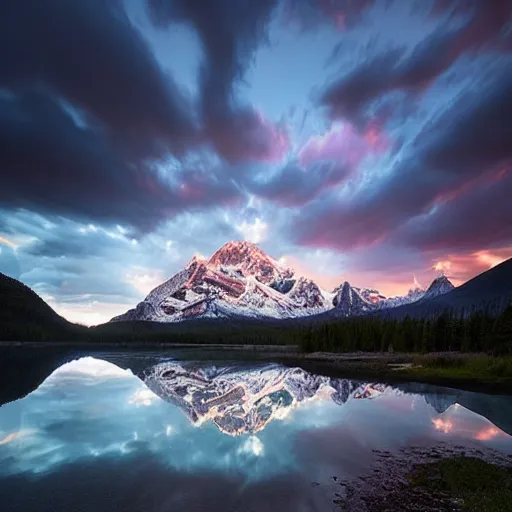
(197, 258)
(237, 280)
(439, 286)
(413, 295)
(348, 301)
(241, 280)
(246, 259)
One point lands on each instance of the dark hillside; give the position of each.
(489, 292)
(25, 316)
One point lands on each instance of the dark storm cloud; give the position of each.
(414, 71)
(76, 283)
(294, 185)
(470, 139)
(230, 32)
(89, 53)
(87, 119)
(478, 218)
(51, 165)
(68, 240)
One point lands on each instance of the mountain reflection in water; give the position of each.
(244, 400)
(248, 425)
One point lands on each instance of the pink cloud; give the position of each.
(248, 135)
(344, 145)
(394, 280)
(462, 267)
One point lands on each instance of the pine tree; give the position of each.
(502, 335)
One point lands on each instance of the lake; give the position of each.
(161, 432)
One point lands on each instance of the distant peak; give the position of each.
(340, 287)
(441, 280)
(439, 286)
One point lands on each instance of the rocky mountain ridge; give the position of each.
(240, 280)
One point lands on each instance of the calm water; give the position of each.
(199, 436)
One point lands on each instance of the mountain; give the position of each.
(491, 291)
(413, 295)
(348, 301)
(239, 280)
(351, 301)
(241, 400)
(25, 316)
(440, 285)
(370, 295)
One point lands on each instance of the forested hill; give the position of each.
(478, 332)
(25, 316)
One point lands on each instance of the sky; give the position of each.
(367, 141)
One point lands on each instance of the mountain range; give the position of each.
(240, 280)
(241, 284)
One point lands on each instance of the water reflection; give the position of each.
(244, 427)
(242, 400)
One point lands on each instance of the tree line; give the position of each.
(478, 332)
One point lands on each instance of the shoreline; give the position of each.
(481, 374)
(422, 478)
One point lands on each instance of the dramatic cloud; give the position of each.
(323, 163)
(412, 71)
(52, 165)
(469, 139)
(294, 185)
(230, 33)
(478, 218)
(246, 135)
(9, 264)
(363, 140)
(89, 54)
(343, 14)
(342, 145)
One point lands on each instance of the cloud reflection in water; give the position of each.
(286, 420)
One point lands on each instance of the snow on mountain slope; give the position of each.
(371, 295)
(348, 301)
(352, 301)
(413, 295)
(238, 280)
(439, 286)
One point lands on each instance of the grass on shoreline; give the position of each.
(470, 368)
(478, 372)
(477, 485)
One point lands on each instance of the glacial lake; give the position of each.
(184, 435)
